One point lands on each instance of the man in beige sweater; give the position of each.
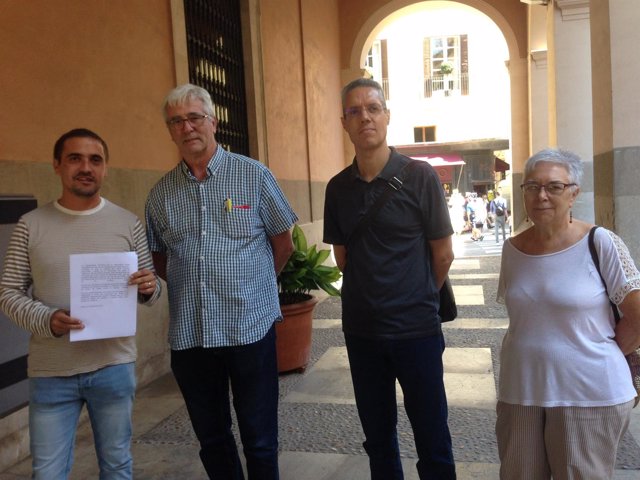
(35, 294)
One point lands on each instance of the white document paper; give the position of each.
(101, 296)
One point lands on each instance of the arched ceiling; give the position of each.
(360, 21)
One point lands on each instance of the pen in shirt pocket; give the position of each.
(229, 206)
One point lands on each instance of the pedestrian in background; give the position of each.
(500, 214)
(480, 218)
(457, 212)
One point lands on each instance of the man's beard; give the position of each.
(89, 191)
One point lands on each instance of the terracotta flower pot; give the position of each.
(293, 335)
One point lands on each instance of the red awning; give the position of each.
(501, 165)
(440, 160)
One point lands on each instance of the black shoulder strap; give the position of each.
(394, 184)
(594, 257)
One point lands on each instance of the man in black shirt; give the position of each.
(392, 275)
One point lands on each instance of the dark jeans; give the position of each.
(417, 364)
(203, 375)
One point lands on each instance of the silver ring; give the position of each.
(148, 284)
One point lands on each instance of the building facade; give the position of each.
(106, 66)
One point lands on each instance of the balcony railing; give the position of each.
(447, 84)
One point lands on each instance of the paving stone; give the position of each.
(323, 440)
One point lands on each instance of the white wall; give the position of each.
(484, 113)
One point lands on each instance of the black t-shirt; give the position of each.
(388, 286)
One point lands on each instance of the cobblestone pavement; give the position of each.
(326, 427)
(320, 434)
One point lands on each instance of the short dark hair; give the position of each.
(363, 82)
(78, 133)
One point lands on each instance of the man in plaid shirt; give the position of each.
(219, 230)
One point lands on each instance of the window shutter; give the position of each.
(383, 56)
(426, 61)
(384, 64)
(464, 65)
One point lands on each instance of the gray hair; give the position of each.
(569, 160)
(186, 93)
(363, 82)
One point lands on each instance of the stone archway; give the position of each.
(365, 22)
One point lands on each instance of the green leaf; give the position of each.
(305, 269)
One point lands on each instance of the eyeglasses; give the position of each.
(552, 188)
(373, 109)
(194, 119)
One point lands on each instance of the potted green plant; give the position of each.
(446, 68)
(304, 271)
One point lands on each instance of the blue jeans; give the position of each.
(54, 408)
(417, 364)
(500, 223)
(203, 375)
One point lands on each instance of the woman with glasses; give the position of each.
(565, 392)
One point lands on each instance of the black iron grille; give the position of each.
(214, 48)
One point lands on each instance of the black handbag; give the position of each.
(448, 310)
